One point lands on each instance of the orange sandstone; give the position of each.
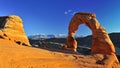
(101, 43)
(11, 28)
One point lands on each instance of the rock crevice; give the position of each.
(11, 28)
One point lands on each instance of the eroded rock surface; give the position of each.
(101, 43)
(11, 28)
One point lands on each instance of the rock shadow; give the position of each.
(57, 47)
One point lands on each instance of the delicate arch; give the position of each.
(101, 43)
(100, 36)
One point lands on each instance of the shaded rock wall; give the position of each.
(11, 28)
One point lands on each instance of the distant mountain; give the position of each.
(115, 37)
(41, 36)
(48, 36)
(87, 41)
(82, 41)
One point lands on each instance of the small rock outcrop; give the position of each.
(101, 43)
(11, 28)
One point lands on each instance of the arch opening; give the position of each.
(83, 37)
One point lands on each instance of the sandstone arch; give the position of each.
(101, 43)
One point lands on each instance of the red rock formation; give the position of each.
(11, 28)
(72, 45)
(101, 43)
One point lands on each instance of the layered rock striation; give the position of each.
(11, 28)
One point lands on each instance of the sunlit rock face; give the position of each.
(11, 28)
(101, 43)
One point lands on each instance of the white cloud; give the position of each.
(65, 12)
(74, 13)
(70, 12)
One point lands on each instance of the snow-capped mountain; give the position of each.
(38, 36)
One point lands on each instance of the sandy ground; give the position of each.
(16, 56)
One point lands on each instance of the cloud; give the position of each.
(74, 12)
(65, 12)
(70, 12)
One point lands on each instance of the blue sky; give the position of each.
(53, 16)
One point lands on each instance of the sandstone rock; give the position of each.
(101, 43)
(11, 28)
